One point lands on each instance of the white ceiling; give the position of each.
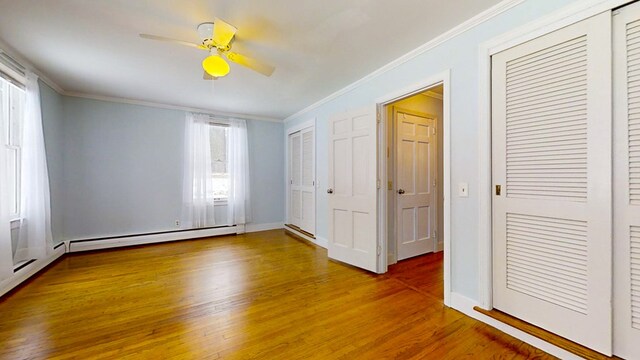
(318, 47)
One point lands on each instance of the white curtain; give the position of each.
(198, 210)
(238, 207)
(6, 250)
(35, 240)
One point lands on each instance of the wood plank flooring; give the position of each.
(256, 296)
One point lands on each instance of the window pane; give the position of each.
(13, 169)
(4, 108)
(16, 114)
(219, 178)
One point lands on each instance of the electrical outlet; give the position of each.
(178, 223)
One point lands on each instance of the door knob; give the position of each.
(400, 191)
(330, 191)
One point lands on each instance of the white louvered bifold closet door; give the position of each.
(551, 121)
(295, 179)
(307, 186)
(626, 46)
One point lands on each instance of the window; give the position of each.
(12, 100)
(218, 138)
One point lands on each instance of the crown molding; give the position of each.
(221, 114)
(446, 36)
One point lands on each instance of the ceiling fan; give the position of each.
(217, 38)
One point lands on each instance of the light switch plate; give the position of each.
(463, 189)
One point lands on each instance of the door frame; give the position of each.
(311, 123)
(442, 78)
(571, 14)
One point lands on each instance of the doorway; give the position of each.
(415, 196)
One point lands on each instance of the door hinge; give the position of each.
(435, 234)
(434, 131)
(379, 250)
(378, 118)
(378, 184)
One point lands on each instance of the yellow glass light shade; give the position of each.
(215, 65)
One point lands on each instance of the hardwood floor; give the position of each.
(261, 295)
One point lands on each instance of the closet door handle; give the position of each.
(400, 191)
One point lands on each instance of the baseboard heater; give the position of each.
(151, 238)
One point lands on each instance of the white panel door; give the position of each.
(295, 179)
(307, 185)
(626, 283)
(552, 230)
(352, 189)
(416, 184)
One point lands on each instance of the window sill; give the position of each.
(15, 223)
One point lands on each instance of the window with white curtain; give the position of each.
(216, 171)
(12, 100)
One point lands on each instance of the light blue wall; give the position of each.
(53, 127)
(117, 168)
(459, 54)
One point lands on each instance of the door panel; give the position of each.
(416, 166)
(551, 120)
(626, 40)
(353, 188)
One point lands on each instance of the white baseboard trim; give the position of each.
(30, 270)
(440, 246)
(322, 242)
(263, 227)
(465, 305)
(86, 245)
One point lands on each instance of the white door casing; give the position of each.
(626, 174)
(352, 192)
(551, 123)
(416, 191)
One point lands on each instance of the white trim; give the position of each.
(432, 94)
(221, 114)
(30, 270)
(250, 228)
(320, 241)
(151, 239)
(443, 78)
(465, 305)
(444, 37)
(565, 16)
(307, 124)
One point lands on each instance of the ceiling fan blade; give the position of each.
(253, 64)
(162, 38)
(206, 76)
(223, 32)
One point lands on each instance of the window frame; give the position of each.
(6, 122)
(219, 200)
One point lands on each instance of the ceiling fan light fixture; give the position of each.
(215, 65)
